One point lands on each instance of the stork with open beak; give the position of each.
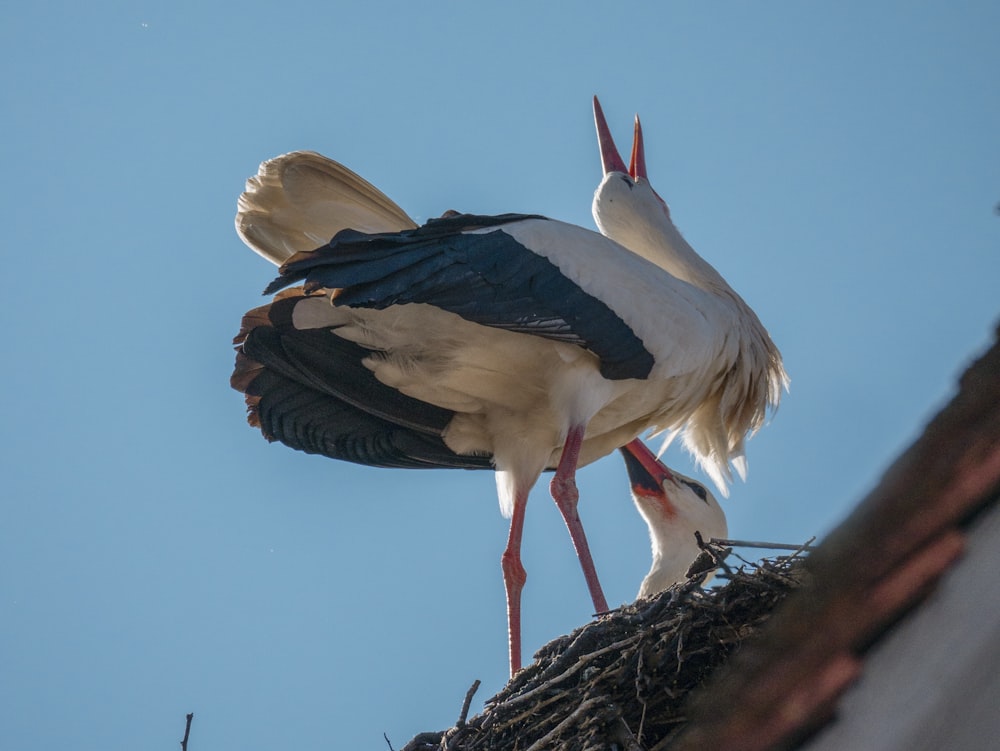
(512, 342)
(674, 507)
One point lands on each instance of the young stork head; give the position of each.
(674, 508)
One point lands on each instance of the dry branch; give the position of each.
(187, 731)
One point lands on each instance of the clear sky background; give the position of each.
(840, 165)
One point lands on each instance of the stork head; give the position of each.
(628, 210)
(624, 190)
(674, 508)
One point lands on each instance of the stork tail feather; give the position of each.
(298, 201)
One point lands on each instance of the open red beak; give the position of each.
(610, 158)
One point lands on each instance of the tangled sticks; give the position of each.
(623, 679)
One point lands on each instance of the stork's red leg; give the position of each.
(514, 577)
(563, 488)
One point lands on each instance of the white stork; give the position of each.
(674, 507)
(514, 342)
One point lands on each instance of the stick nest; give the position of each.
(622, 680)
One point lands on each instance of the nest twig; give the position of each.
(622, 680)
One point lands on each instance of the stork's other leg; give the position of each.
(514, 577)
(563, 488)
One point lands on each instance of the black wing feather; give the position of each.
(486, 278)
(310, 390)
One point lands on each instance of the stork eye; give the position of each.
(628, 181)
(698, 489)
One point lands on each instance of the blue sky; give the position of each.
(839, 165)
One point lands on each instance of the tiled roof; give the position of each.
(870, 579)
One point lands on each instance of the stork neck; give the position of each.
(633, 215)
(664, 245)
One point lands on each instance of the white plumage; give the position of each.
(515, 341)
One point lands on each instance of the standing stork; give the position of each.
(514, 342)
